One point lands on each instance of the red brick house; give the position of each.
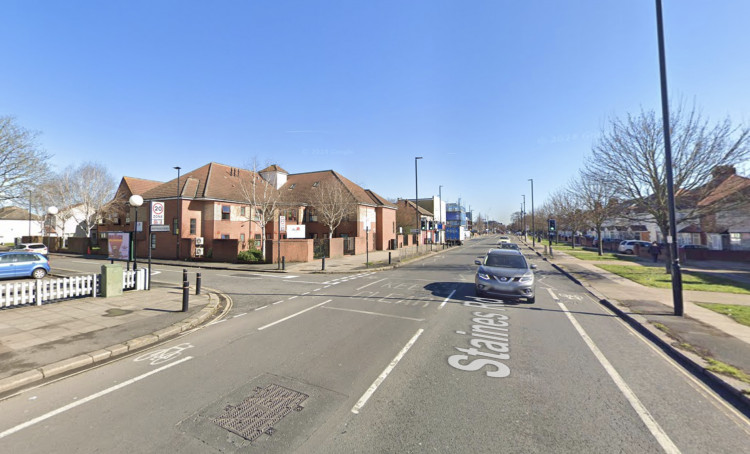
(211, 205)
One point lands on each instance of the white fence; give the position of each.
(45, 290)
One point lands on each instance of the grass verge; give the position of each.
(726, 369)
(740, 314)
(652, 276)
(587, 254)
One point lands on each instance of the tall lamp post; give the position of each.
(523, 213)
(51, 211)
(672, 240)
(416, 199)
(135, 201)
(179, 212)
(29, 215)
(440, 213)
(533, 228)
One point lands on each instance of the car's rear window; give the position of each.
(505, 261)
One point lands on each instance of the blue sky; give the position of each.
(489, 93)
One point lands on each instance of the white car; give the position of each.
(628, 246)
(32, 247)
(503, 239)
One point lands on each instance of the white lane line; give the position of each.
(292, 297)
(243, 277)
(374, 313)
(371, 283)
(661, 437)
(306, 293)
(552, 294)
(240, 315)
(371, 390)
(272, 276)
(77, 403)
(279, 302)
(317, 289)
(446, 300)
(262, 307)
(326, 286)
(293, 315)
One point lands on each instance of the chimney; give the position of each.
(721, 173)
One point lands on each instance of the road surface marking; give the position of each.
(375, 313)
(446, 300)
(262, 307)
(371, 390)
(243, 277)
(293, 315)
(240, 315)
(552, 294)
(306, 293)
(661, 437)
(279, 302)
(317, 289)
(292, 297)
(371, 283)
(88, 399)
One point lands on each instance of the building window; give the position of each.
(224, 237)
(242, 240)
(153, 241)
(175, 227)
(225, 210)
(257, 241)
(316, 184)
(193, 226)
(242, 211)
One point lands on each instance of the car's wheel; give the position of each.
(531, 300)
(38, 273)
(479, 292)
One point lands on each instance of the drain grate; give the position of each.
(257, 414)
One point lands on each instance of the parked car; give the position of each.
(628, 246)
(693, 246)
(23, 264)
(507, 274)
(32, 247)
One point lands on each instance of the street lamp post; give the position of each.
(523, 213)
(135, 201)
(416, 199)
(29, 215)
(179, 212)
(676, 273)
(533, 228)
(440, 213)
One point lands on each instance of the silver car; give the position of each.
(507, 274)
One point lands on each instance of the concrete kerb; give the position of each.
(663, 341)
(67, 365)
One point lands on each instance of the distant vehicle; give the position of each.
(32, 247)
(505, 273)
(508, 246)
(503, 239)
(455, 234)
(693, 246)
(628, 246)
(23, 264)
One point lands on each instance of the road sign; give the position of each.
(160, 228)
(282, 223)
(157, 214)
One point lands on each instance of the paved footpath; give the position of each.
(700, 335)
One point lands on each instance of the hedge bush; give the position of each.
(251, 255)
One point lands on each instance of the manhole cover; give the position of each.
(117, 312)
(257, 414)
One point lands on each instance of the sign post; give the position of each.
(282, 227)
(156, 217)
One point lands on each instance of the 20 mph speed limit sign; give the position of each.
(157, 213)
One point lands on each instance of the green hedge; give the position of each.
(251, 255)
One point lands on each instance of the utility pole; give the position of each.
(533, 228)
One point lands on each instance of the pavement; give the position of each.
(39, 343)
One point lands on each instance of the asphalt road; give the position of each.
(399, 361)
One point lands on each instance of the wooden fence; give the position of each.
(48, 290)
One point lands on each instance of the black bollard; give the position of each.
(323, 264)
(389, 258)
(185, 291)
(198, 284)
(283, 263)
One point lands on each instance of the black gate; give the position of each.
(321, 248)
(349, 245)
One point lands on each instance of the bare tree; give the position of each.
(597, 197)
(631, 154)
(85, 194)
(22, 163)
(332, 203)
(264, 200)
(568, 212)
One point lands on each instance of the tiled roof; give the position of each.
(410, 204)
(139, 185)
(732, 185)
(300, 187)
(13, 213)
(274, 168)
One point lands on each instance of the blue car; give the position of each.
(23, 264)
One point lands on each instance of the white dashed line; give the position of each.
(262, 307)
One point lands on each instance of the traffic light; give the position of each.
(552, 225)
